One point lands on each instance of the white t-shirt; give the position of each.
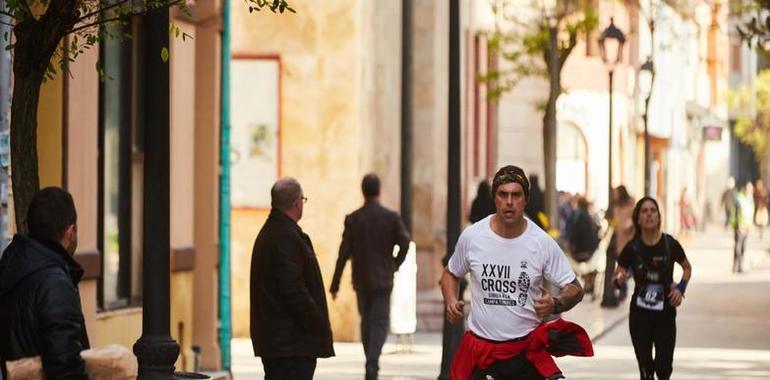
(505, 276)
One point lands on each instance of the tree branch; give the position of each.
(6, 23)
(91, 25)
(101, 10)
(26, 7)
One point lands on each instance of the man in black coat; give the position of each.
(289, 318)
(40, 311)
(370, 234)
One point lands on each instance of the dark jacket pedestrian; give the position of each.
(585, 237)
(289, 317)
(370, 234)
(536, 203)
(483, 205)
(40, 310)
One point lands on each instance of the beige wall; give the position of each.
(245, 226)
(430, 74)
(340, 88)
(49, 132)
(123, 326)
(206, 181)
(182, 73)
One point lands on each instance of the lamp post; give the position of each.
(646, 79)
(611, 46)
(550, 9)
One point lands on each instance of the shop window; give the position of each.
(119, 166)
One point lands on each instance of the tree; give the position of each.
(538, 44)
(752, 127)
(756, 27)
(39, 29)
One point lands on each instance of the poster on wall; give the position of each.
(254, 136)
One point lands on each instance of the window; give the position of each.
(119, 143)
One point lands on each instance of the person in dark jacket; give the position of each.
(40, 310)
(536, 203)
(290, 326)
(483, 205)
(370, 234)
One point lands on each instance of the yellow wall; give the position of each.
(49, 133)
(125, 326)
(182, 317)
(245, 226)
(320, 52)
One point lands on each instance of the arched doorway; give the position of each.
(571, 159)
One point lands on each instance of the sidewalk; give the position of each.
(422, 360)
(709, 251)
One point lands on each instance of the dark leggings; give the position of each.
(648, 330)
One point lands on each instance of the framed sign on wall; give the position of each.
(255, 105)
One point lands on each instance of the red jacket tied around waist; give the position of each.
(555, 338)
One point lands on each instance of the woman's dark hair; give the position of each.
(622, 195)
(638, 208)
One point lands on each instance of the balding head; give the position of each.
(284, 193)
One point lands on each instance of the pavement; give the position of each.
(422, 358)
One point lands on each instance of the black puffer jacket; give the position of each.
(289, 315)
(40, 311)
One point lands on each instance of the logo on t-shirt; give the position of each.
(500, 287)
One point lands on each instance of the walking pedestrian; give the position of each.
(370, 234)
(760, 207)
(289, 318)
(536, 203)
(727, 200)
(40, 310)
(686, 213)
(583, 242)
(483, 205)
(622, 208)
(649, 258)
(741, 220)
(509, 258)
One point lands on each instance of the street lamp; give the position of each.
(646, 79)
(611, 46)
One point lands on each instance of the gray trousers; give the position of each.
(374, 308)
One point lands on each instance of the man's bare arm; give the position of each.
(450, 289)
(569, 296)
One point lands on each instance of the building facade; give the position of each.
(90, 140)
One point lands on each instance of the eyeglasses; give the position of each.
(304, 199)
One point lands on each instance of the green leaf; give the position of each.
(164, 54)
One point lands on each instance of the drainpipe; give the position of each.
(225, 326)
(5, 97)
(406, 114)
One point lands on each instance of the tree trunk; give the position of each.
(28, 78)
(549, 129)
(36, 42)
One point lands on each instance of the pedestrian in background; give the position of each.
(536, 203)
(760, 207)
(650, 258)
(370, 234)
(289, 318)
(727, 200)
(623, 229)
(686, 213)
(741, 220)
(40, 310)
(509, 258)
(483, 205)
(583, 242)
